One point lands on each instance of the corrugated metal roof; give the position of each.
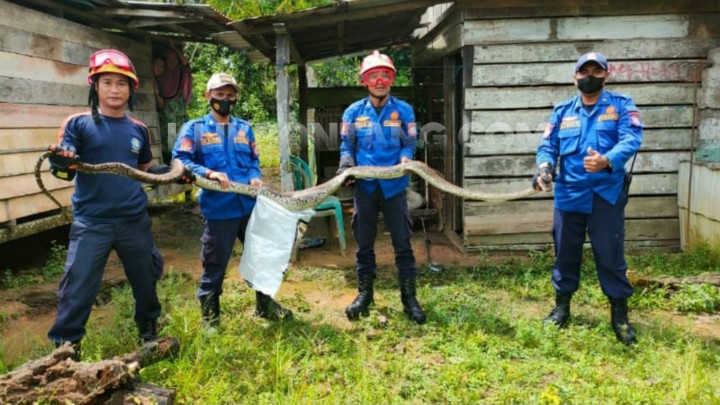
(346, 27)
(159, 21)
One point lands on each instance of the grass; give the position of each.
(484, 342)
(52, 270)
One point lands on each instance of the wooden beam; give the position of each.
(282, 59)
(33, 227)
(152, 22)
(294, 52)
(130, 12)
(340, 36)
(342, 9)
(89, 18)
(303, 98)
(495, 98)
(344, 96)
(308, 20)
(250, 34)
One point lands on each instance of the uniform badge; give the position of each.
(241, 138)
(412, 130)
(610, 109)
(344, 129)
(186, 145)
(394, 115)
(548, 130)
(635, 118)
(135, 145)
(363, 122)
(210, 138)
(255, 150)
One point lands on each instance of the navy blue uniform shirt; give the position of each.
(107, 197)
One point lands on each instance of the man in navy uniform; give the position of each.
(380, 130)
(589, 138)
(109, 212)
(222, 147)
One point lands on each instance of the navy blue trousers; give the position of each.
(218, 240)
(89, 248)
(397, 219)
(606, 228)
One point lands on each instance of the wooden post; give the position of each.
(449, 96)
(282, 59)
(468, 55)
(303, 90)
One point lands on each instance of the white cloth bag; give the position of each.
(269, 239)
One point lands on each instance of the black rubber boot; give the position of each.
(408, 296)
(360, 304)
(267, 308)
(147, 331)
(560, 315)
(210, 305)
(624, 332)
(76, 346)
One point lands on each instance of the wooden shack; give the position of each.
(494, 69)
(44, 51)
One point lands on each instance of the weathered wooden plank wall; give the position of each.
(43, 79)
(523, 62)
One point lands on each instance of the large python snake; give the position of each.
(298, 200)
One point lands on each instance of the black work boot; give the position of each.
(267, 308)
(76, 346)
(360, 304)
(147, 331)
(560, 315)
(210, 305)
(624, 332)
(409, 300)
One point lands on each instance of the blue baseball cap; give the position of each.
(596, 57)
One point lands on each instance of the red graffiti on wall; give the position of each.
(648, 71)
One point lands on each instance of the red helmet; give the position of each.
(112, 61)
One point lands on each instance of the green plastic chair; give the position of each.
(328, 207)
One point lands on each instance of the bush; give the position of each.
(696, 298)
(55, 264)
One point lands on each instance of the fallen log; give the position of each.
(57, 379)
(673, 283)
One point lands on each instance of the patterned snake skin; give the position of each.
(298, 200)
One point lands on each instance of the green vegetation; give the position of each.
(484, 342)
(11, 281)
(240, 9)
(701, 260)
(55, 265)
(53, 268)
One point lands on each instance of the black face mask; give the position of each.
(222, 107)
(590, 84)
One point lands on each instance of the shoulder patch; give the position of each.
(67, 121)
(138, 122)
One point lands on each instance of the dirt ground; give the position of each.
(177, 232)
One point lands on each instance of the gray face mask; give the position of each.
(590, 84)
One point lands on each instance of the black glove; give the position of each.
(159, 169)
(346, 163)
(63, 162)
(543, 178)
(187, 177)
